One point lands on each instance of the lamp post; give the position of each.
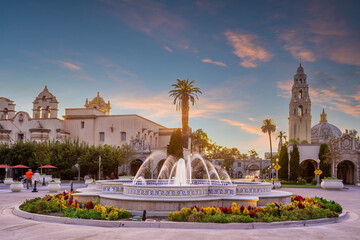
(277, 172)
(99, 167)
(78, 168)
(318, 175)
(272, 170)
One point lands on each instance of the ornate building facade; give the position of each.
(344, 146)
(92, 124)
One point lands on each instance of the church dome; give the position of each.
(323, 131)
(99, 104)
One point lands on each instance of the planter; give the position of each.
(8, 181)
(277, 184)
(53, 187)
(57, 180)
(16, 186)
(89, 181)
(332, 184)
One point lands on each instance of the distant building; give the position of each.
(92, 124)
(347, 165)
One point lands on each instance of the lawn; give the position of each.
(298, 186)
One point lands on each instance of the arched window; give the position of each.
(6, 113)
(44, 98)
(40, 112)
(300, 94)
(48, 112)
(300, 110)
(151, 143)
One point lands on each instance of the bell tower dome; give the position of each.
(300, 108)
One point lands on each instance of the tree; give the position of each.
(294, 163)
(268, 127)
(176, 144)
(325, 164)
(284, 162)
(228, 162)
(281, 135)
(200, 141)
(183, 93)
(253, 153)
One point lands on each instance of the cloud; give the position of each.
(245, 127)
(207, 60)
(106, 63)
(323, 32)
(248, 47)
(332, 98)
(69, 65)
(168, 49)
(153, 19)
(296, 47)
(252, 119)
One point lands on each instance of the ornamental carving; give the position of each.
(139, 144)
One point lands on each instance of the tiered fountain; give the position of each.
(180, 183)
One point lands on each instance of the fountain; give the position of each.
(183, 182)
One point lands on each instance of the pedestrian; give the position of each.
(29, 175)
(37, 177)
(112, 175)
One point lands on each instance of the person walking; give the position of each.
(36, 177)
(29, 175)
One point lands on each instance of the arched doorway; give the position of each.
(253, 170)
(134, 166)
(345, 171)
(307, 169)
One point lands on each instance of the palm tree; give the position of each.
(281, 135)
(183, 93)
(268, 127)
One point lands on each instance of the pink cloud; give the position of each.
(248, 47)
(252, 119)
(295, 46)
(69, 65)
(168, 49)
(106, 63)
(207, 60)
(323, 33)
(346, 103)
(153, 19)
(243, 126)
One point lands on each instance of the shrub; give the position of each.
(314, 182)
(301, 181)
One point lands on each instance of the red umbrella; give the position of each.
(5, 166)
(20, 166)
(48, 166)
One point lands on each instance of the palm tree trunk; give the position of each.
(185, 118)
(270, 147)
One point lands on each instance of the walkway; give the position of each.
(13, 227)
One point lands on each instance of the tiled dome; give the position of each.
(323, 131)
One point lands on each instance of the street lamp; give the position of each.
(318, 175)
(78, 168)
(277, 172)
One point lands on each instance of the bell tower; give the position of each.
(300, 108)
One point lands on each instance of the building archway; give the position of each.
(307, 169)
(346, 172)
(134, 166)
(253, 170)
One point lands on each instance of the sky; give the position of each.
(242, 54)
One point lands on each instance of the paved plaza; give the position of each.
(13, 227)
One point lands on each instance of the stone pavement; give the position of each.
(12, 227)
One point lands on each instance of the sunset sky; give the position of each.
(242, 54)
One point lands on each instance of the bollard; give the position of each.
(35, 189)
(44, 181)
(144, 216)
(71, 186)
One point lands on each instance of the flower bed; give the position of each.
(63, 203)
(300, 209)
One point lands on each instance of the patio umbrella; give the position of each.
(46, 166)
(5, 166)
(20, 166)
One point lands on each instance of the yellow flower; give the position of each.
(246, 211)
